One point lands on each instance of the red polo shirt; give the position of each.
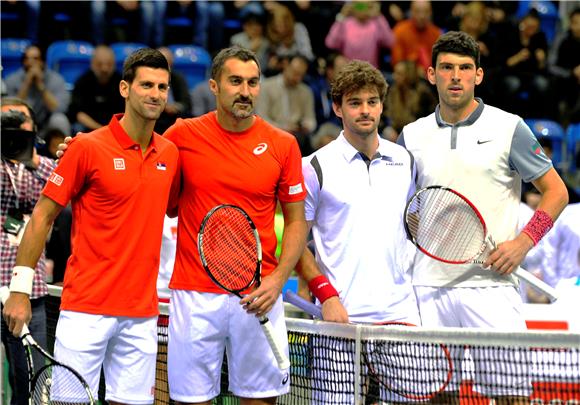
(119, 196)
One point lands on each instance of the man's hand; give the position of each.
(261, 300)
(17, 312)
(62, 147)
(508, 255)
(334, 311)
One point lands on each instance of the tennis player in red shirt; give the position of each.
(232, 156)
(118, 179)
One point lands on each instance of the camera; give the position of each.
(17, 143)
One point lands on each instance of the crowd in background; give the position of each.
(531, 62)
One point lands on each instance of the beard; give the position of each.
(242, 112)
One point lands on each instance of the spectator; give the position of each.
(475, 22)
(22, 181)
(287, 37)
(525, 85)
(320, 86)
(360, 31)
(567, 70)
(287, 103)
(415, 36)
(178, 101)
(128, 21)
(253, 37)
(408, 99)
(206, 23)
(43, 89)
(202, 99)
(95, 95)
(326, 133)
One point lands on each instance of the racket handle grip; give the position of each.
(306, 306)
(536, 283)
(4, 294)
(275, 344)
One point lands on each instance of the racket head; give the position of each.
(414, 370)
(230, 249)
(57, 383)
(445, 225)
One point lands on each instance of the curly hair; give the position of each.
(357, 75)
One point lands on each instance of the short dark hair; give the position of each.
(357, 75)
(235, 52)
(456, 42)
(8, 100)
(41, 49)
(146, 57)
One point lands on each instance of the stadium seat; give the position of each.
(122, 50)
(12, 51)
(552, 130)
(69, 58)
(572, 145)
(191, 61)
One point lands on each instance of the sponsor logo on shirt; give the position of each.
(161, 166)
(56, 179)
(119, 163)
(295, 189)
(261, 148)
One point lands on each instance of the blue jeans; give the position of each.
(16, 355)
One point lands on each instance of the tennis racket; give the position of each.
(416, 371)
(231, 253)
(54, 383)
(447, 227)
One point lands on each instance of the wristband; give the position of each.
(538, 226)
(321, 288)
(21, 281)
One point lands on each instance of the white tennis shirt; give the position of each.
(484, 157)
(357, 225)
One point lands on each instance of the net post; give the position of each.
(357, 363)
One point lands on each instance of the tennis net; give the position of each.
(365, 364)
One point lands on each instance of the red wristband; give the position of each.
(538, 226)
(321, 288)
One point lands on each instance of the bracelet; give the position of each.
(538, 226)
(321, 288)
(21, 281)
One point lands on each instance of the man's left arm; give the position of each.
(261, 300)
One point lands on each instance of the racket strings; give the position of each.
(229, 248)
(58, 385)
(414, 370)
(445, 225)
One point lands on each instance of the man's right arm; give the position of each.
(307, 269)
(17, 310)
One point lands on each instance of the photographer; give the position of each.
(24, 174)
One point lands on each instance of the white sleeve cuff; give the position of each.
(21, 281)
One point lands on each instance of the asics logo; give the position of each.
(261, 148)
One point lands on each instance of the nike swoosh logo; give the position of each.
(482, 142)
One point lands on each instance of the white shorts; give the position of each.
(125, 347)
(482, 307)
(201, 326)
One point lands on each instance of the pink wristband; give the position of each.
(538, 226)
(321, 288)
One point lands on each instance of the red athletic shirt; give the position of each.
(119, 198)
(250, 169)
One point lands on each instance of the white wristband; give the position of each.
(22, 277)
